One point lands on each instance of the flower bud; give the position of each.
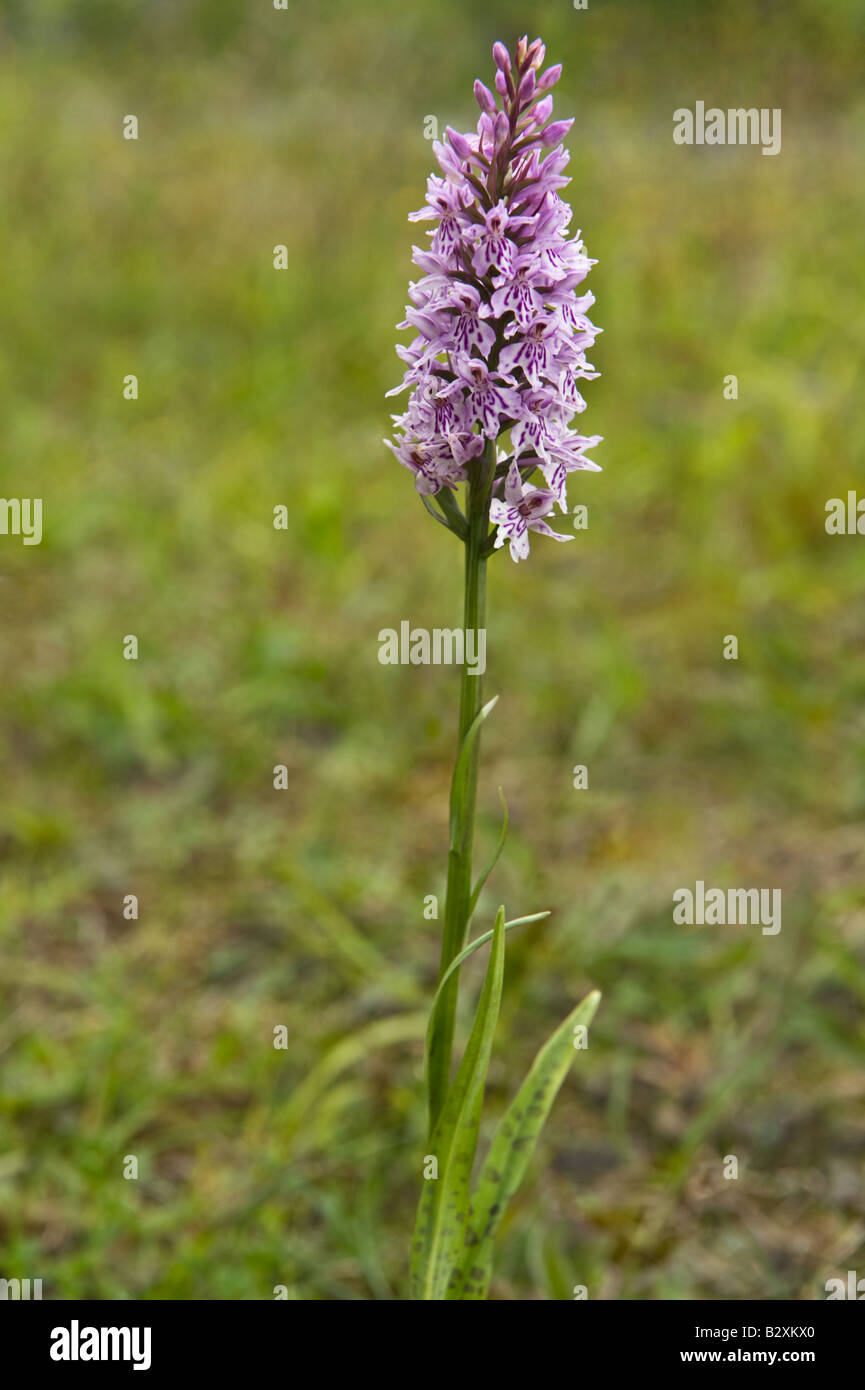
(537, 53)
(542, 111)
(501, 83)
(526, 88)
(501, 56)
(484, 97)
(556, 132)
(459, 144)
(549, 78)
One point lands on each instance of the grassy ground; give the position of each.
(304, 908)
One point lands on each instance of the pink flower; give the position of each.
(500, 332)
(521, 512)
(494, 250)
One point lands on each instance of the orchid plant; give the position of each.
(499, 349)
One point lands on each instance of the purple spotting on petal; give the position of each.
(500, 326)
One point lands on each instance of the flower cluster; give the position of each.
(500, 332)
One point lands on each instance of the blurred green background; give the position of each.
(258, 647)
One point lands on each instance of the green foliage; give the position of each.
(452, 1249)
(444, 1201)
(510, 1153)
(462, 765)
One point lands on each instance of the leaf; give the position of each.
(443, 1207)
(434, 512)
(451, 509)
(442, 521)
(511, 1151)
(476, 891)
(458, 961)
(461, 768)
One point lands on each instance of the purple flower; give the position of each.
(467, 329)
(521, 512)
(489, 397)
(518, 292)
(535, 350)
(500, 331)
(539, 426)
(564, 456)
(494, 249)
(433, 465)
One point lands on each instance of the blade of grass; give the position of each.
(291, 1118)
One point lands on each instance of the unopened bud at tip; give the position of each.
(484, 97)
(527, 86)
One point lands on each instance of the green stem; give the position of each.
(459, 884)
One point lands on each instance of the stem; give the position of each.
(459, 884)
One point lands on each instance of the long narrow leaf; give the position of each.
(510, 1153)
(476, 891)
(458, 961)
(461, 768)
(444, 1202)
